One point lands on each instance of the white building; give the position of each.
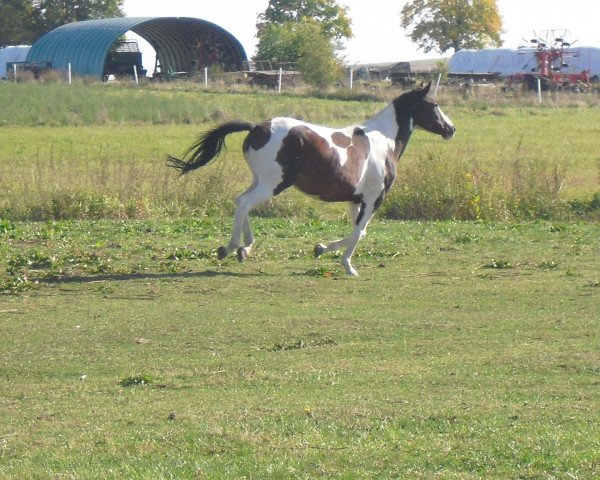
(506, 62)
(16, 53)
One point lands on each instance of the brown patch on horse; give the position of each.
(358, 152)
(258, 137)
(313, 166)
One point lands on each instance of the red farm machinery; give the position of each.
(548, 69)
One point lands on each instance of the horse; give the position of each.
(355, 164)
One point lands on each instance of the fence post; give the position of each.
(351, 77)
(135, 75)
(70, 74)
(15, 72)
(205, 76)
(279, 82)
(539, 89)
(437, 84)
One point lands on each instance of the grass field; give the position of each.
(101, 154)
(465, 349)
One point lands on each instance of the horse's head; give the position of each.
(429, 116)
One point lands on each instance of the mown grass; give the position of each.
(465, 350)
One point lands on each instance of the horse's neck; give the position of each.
(397, 127)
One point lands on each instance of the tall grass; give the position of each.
(520, 188)
(31, 104)
(97, 151)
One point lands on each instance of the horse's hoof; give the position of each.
(222, 252)
(319, 250)
(242, 253)
(350, 270)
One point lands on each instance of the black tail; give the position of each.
(207, 147)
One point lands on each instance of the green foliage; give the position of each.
(331, 17)
(535, 190)
(433, 188)
(24, 21)
(6, 226)
(19, 22)
(283, 43)
(318, 64)
(498, 264)
(304, 44)
(442, 25)
(307, 33)
(587, 207)
(60, 12)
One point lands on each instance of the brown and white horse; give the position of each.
(355, 164)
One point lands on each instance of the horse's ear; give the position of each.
(425, 89)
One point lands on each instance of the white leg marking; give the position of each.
(359, 232)
(320, 249)
(252, 197)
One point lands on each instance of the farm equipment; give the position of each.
(121, 59)
(550, 50)
(263, 73)
(36, 68)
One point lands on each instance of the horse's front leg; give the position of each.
(361, 215)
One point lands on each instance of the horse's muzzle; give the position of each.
(450, 133)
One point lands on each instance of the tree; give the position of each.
(19, 22)
(304, 44)
(24, 21)
(318, 63)
(284, 43)
(442, 25)
(332, 18)
(306, 32)
(60, 12)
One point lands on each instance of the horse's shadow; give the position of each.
(57, 280)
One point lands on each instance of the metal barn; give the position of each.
(182, 45)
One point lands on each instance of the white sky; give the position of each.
(376, 23)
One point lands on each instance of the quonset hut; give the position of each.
(181, 44)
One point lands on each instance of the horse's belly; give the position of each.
(326, 187)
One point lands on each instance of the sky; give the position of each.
(376, 23)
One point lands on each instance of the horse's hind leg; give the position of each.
(360, 230)
(320, 249)
(361, 215)
(252, 197)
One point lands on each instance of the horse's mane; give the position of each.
(408, 100)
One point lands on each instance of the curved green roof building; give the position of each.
(182, 44)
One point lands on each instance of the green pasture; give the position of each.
(91, 152)
(468, 347)
(464, 350)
